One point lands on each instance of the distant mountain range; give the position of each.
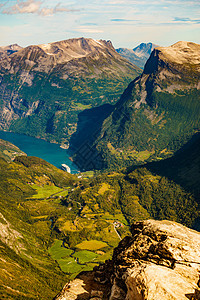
(156, 115)
(139, 55)
(44, 87)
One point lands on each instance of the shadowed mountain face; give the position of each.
(139, 55)
(89, 122)
(183, 168)
(43, 88)
(158, 112)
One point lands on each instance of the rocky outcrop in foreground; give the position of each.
(161, 260)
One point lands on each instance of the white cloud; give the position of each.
(46, 11)
(116, 2)
(23, 7)
(34, 7)
(88, 30)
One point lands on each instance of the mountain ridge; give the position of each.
(44, 87)
(145, 49)
(66, 50)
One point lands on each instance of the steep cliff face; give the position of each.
(161, 260)
(44, 87)
(176, 67)
(158, 112)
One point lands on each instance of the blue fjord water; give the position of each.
(52, 153)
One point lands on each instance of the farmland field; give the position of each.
(85, 256)
(91, 245)
(46, 191)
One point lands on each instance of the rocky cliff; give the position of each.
(160, 260)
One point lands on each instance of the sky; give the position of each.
(127, 23)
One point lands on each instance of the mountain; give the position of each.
(8, 50)
(160, 260)
(144, 49)
(155, 116)
(44, 87)
(139, 55)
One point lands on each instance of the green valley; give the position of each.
(55, 225)
(43, 237)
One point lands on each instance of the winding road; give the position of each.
(117, 232)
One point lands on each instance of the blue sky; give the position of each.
(126, 23)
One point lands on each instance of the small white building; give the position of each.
(66, 168)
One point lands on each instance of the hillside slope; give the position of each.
(166, 189)
(44, 87)
(157, 113)
(26, 269)
(9, 151)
